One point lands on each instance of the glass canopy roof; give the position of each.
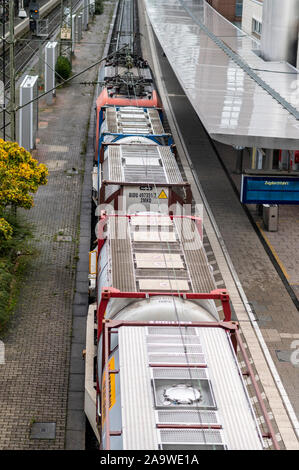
(240, 98)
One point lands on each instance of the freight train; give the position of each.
(161, 348)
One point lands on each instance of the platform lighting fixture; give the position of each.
(22, 11)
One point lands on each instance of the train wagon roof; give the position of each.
(157, 253)
(142, 163)
(133, 120)
(180, 388)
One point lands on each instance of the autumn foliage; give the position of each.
(20, 177)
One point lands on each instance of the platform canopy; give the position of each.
(240, 98)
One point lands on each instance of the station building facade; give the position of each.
(230, 9)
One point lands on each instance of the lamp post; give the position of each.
(22, 11)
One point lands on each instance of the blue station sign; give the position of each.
(269, 190)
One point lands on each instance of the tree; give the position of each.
(20, 177)
(99, 7)
(63, 68)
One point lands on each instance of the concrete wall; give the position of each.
(251, 9)
(280, 30)
(226, 8)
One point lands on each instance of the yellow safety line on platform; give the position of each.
(281, 265)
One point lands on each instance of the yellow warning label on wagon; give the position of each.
(111, 366)
(162, 195)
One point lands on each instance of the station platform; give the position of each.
(282, 244)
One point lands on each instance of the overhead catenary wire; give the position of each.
(170, 267)
(180, 296)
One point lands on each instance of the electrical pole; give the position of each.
(3, 67)
(12, 72)
(66, 29)
(71, 25)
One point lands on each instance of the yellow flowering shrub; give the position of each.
(20, 175)
(6, 229)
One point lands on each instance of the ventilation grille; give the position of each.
(147, 151)
(175, 348)
(144, 173)
(187, 417)
(191, 436)
(177, 373)
(155, 330)
(173, 339)
(176, 358)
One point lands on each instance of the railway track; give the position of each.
(25, 49)
(125, 31)
(28, 46)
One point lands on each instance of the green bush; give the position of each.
(6, 278)
(63, 68)
(99, 7)
(15, 254)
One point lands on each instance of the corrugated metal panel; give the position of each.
(105, 169)
(155, 121)
(121, 255)
(139, 426)
(111, 120)
(236, 417)
(170, 165)
(115, 173)
(103, 278)
(196, 258)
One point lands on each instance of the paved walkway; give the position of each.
(35, 378)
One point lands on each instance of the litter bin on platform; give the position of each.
(270, 217)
